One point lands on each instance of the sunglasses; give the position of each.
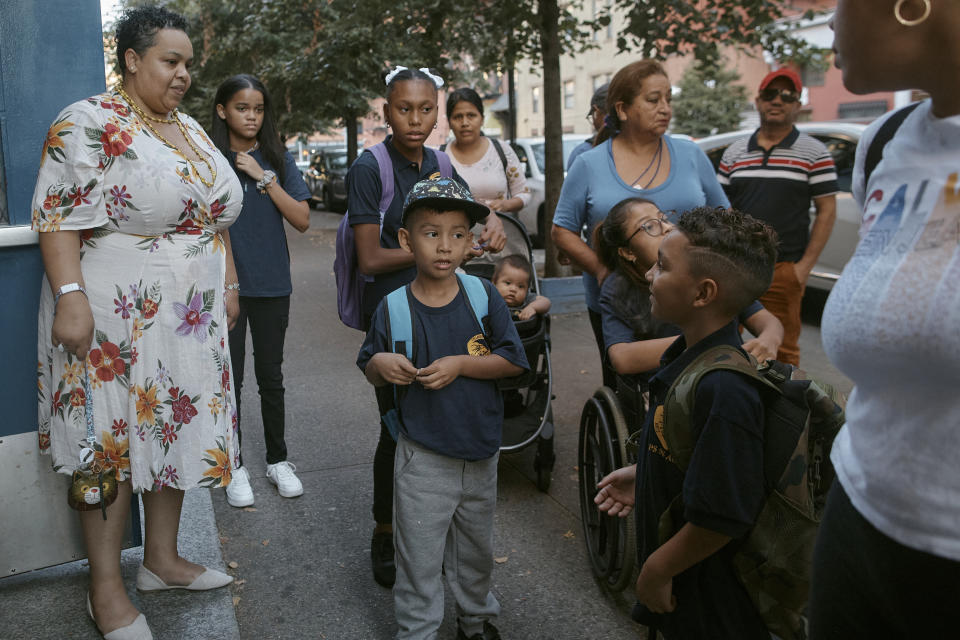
(786, 95)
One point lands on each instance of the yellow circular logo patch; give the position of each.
(478, 346)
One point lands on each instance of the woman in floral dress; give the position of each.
(132, 204)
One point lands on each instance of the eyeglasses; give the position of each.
(786, 95)
(653, 228)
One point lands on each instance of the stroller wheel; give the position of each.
(611, 541)
(543, 463)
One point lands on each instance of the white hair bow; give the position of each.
(437, 80)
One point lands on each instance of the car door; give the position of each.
(843, 239)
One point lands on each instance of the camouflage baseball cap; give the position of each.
(444, 194)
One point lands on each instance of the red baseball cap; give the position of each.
(782, 72)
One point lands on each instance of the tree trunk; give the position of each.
(553, 128)
(350, 124)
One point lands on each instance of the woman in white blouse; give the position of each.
(491, 169)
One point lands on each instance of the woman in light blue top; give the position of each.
(633, 157)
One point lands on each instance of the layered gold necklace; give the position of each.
(147, 119)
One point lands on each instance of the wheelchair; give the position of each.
(607, 422)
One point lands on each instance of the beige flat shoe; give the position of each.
(210, 579)
(136, 630)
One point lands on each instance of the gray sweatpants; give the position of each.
(442, 521)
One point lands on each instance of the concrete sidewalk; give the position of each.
(302, 565)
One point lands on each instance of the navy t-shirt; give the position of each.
(464, 419)
(617, 329)
(258, 238)
(723, 491)
(363, 202)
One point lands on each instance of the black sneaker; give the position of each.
(489, 632)
(381, 557)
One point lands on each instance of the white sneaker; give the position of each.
(281, 474)
(239, 491)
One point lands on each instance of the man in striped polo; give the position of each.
(773, 175)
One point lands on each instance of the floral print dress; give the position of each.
(153, 263)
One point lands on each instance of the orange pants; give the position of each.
(782, 299)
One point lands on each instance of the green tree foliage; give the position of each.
(660, 28)
(709, 102)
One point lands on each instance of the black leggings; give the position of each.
(868, 586)
(268, 319)
(383, 463)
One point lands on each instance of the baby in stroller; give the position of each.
(511, 276)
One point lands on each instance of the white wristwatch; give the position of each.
(70, 287)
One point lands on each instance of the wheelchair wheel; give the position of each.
(611, 540)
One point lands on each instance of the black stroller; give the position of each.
(528, 416)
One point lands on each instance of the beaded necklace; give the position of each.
(147, 119)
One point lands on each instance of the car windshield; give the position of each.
(337, 160)
(539, 152)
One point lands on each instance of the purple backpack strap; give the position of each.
(446, 169)
(385, 164)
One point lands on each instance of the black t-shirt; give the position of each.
(464, 419)
(723, 490)
(363, 201)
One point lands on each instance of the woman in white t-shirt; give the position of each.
(494, 175)
(887, 562)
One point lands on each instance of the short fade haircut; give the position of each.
(516, 261)
(736, 250)
(137, 29)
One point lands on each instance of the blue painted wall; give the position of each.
(51, 54)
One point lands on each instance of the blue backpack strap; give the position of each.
(400, 323)
(385, 165)
(399, 317)
(443, 160)
(477, 295)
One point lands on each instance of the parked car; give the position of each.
(532, 154)
(841, 140)
(326, 179)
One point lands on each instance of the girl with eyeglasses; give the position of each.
(627, 243)
(633, 157)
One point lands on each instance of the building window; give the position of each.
(812, 77)
(569, 99)
(600, 80)
(593, 16)
(610, 24)
(535, 94)
(866, 110)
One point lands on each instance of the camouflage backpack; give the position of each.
(801, 418)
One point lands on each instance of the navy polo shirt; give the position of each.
(463, 420)
(363, 202)
(723, 491)
(258, 238)
(776, 185)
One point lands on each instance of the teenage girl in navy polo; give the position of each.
(273, 191)
(411, 114)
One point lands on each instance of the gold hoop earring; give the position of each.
(911, 23)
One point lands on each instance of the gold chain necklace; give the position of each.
(183, 130)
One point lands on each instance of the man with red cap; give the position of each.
(773, 175)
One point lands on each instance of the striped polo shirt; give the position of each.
(776, 185)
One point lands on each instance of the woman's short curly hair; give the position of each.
(137, 29)
(734, 249)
